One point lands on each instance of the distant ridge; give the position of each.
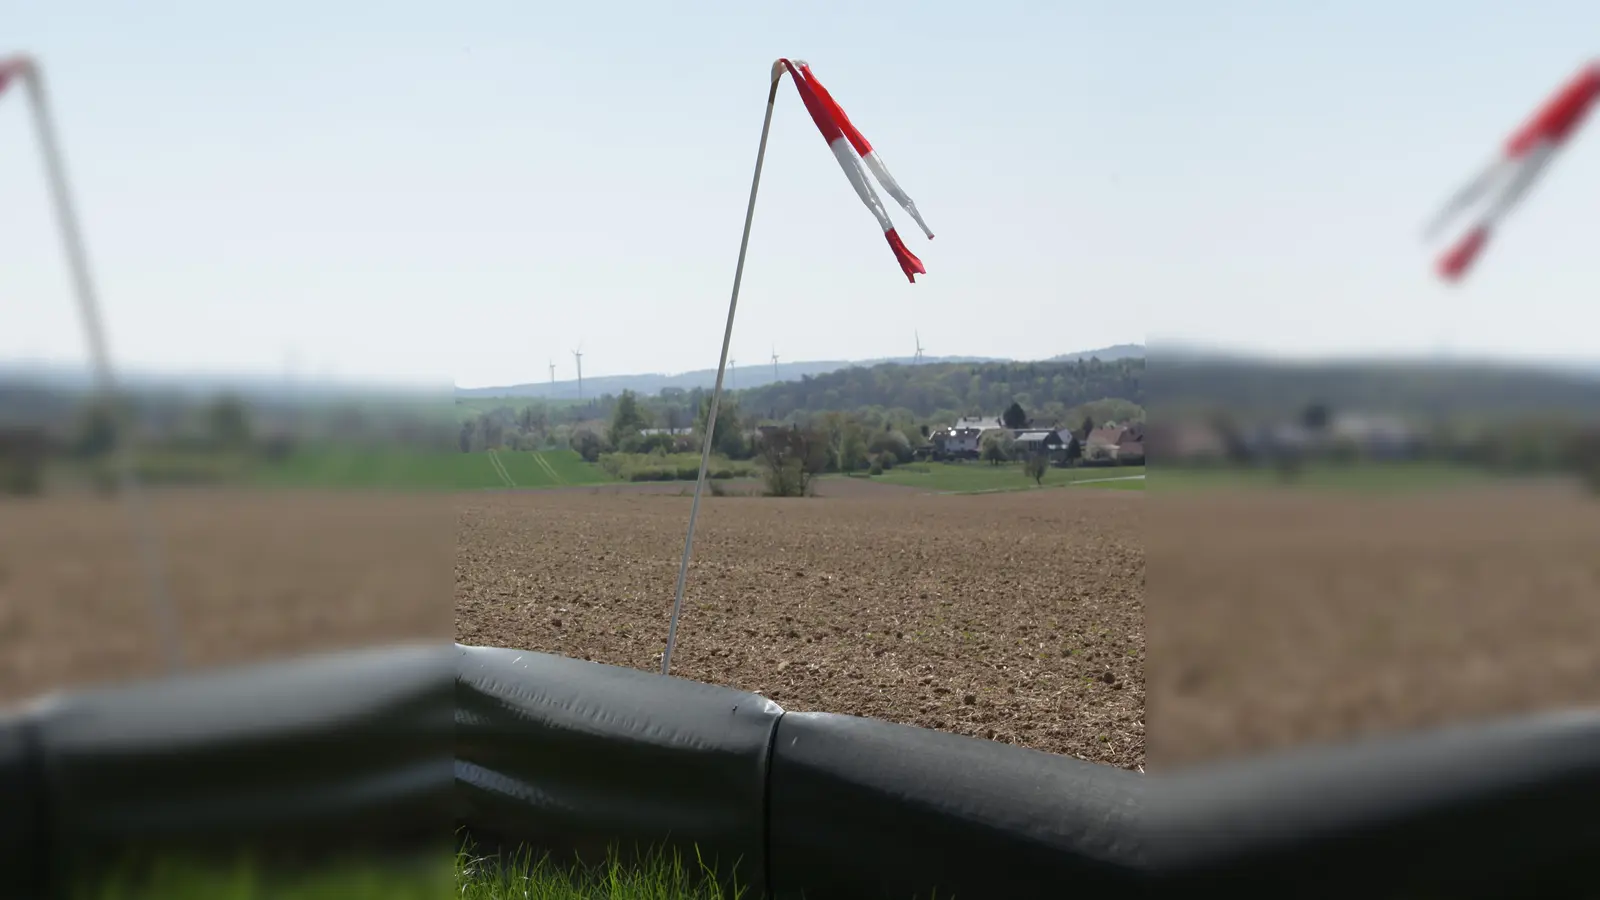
(750, 376)
(1104, 354)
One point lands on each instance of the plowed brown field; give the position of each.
(1285, 617)
(1015, 617)
(253, 576)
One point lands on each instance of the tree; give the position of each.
(588, 444)
(22, 457)
(791, 458)
(626, 419)
(1015, 416)
(1073, 451)
(996, 447)
(466, 437)
(97, 430)
(1316, 417)
(1036, 467)
(1585, 455)
(229, 422)
(1086, 429)
(727, 441)
(846, 444)
(491, 432)
(890, 443)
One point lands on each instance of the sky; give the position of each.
(427, 193)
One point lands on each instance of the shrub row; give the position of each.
(670, 467)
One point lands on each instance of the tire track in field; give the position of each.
(500, 469)
(555, 477)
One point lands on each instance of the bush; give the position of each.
(891, 443)
(659, 444)
(590, 445)
(675, 467)
(1036, 466)
(876, 468)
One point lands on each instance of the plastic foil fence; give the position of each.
(390, 749)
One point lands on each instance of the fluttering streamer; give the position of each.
(1520, 162)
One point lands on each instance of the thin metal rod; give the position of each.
(100, 354)
(716, 391)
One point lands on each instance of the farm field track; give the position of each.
(1017, 617)
(254, 575)
(1316, 615)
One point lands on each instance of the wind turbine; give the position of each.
(918, 358)
(733, 374)
(552, 379)
(577, 355)
(774, 364)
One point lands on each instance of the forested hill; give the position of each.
(963, 389)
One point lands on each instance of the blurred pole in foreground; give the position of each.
(26, 70)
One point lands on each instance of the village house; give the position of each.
(965, 437)
(951, 441)
(1376, 437)
(1102, 442)
(1030, 442)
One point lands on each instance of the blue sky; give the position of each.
(422, 192)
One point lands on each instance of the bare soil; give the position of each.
(1014, 617)
(1285, 617)
(253, 576)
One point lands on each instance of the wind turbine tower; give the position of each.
(577, 356)
(917, 360)
(774, 365)
(552, 379)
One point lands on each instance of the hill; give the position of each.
(940, 391)
(747, 375)
(750, 375)
(1104, 354)
(1417, 387)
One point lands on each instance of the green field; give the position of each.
(978, 477)
(546, 468)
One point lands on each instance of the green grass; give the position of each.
(975, 477)
(658, 876)
(1354, 477)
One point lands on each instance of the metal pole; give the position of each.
(722, 364)
(100, 356)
